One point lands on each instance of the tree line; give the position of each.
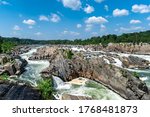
(6, 43)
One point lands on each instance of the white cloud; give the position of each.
(16, 27)
(120, 12)
(135, 21)
(71, 33)
(79, 25)
(131, 29)
(96, 20)
(43, 18)
(141, 8)
(38, 33)
(88, 27)
(89, 9)
(29, 22)
(55, 18)
(99, 1)
(148, 18)
(4, 2)
(106, 7)
(73, 4)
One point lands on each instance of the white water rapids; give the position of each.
(34, 67)
(91, 89)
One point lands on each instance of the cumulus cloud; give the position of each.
(131, 29)
(89, 9)
(38, 33)
(135, 21)
(4, 2)
(99, 1)
(96, 20)
(120, 12)
(73, 4)
(148, 18)
(106, 7)
(16, 27)
(88, 27)
(43, 18)
(71, 33)
(55, 18)
(79, 25)
(29, 22)
(141, 8)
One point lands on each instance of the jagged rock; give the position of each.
(14, 91)
(20, 65)
(10, 68)
(117, 79)
(4, 59)
(135, 62)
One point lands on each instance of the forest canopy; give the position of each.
(137, 37)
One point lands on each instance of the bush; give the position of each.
(135, 74)
(46, 88)
(69, 54)
(4, 77)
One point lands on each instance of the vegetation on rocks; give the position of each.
(136, 74)
(69, 54)
(4, 77)
(6, 46)
(46, 88)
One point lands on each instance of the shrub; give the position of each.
(4, 77)
(69, 54)
(46, 88)
(135, 74)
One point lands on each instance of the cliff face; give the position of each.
(142, 48)
(97, 69)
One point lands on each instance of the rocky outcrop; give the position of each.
(135, 62)
(119, 80)
(43, 53)
(20, 50)
(13, 65)
(15, 91)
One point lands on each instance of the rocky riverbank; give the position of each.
(17, 91)
(70, 65)
(11, 87)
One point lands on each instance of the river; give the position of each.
(90, 89)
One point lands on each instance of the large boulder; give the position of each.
(20, 65)
(15, 91)
(10, 68)
(117, 79)
(135, 62)
(4, 59)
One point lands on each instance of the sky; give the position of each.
(72, 19)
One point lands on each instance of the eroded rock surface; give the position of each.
(117, 79)
(16, 91)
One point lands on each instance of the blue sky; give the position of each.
(71, 19)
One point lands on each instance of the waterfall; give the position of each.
(60, 84)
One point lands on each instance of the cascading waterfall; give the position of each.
(90, 89)
(33, 69)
